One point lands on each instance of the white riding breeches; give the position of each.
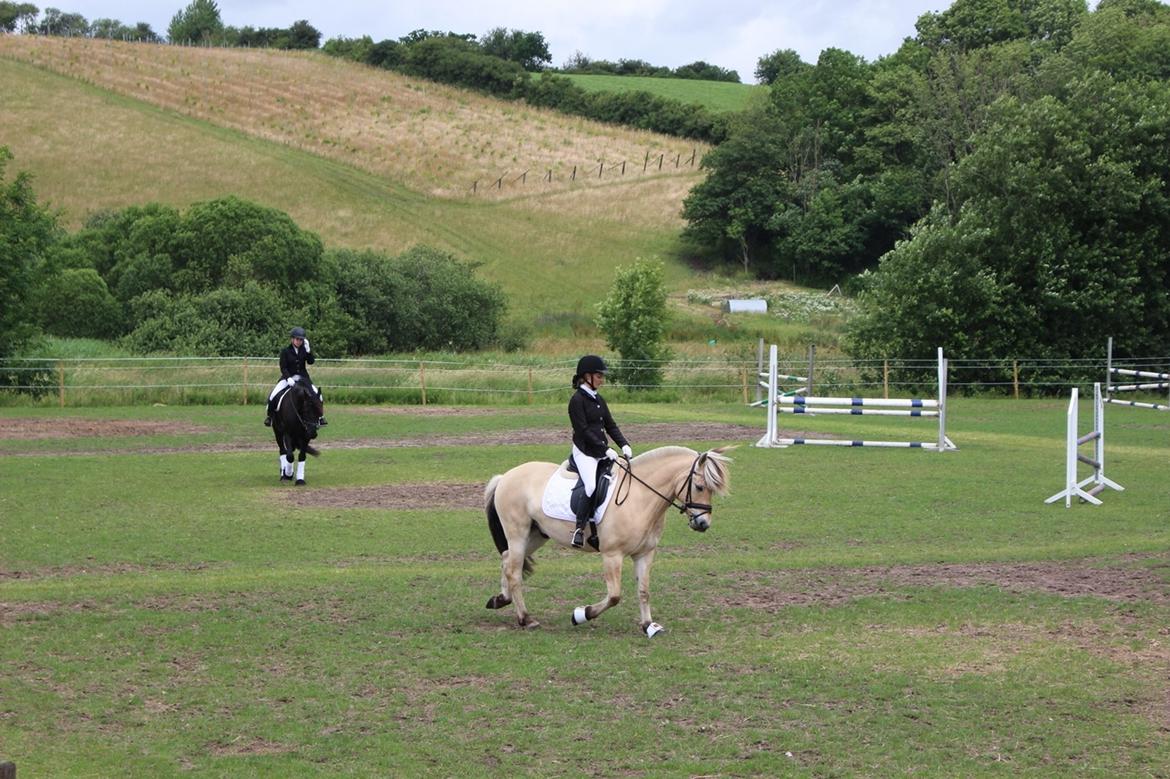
(287, 383)
(587, 468)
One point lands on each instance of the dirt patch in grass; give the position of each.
(1122, 582)
(644, 434)
(73, 427)
(399, 496)
(254, 746)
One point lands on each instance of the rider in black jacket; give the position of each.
(294, 361)
(591, 420)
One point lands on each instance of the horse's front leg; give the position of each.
(285, 463)
(642, 565)
(300, 469)
(611, 563)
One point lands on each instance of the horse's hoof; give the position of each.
(531, 624)
(285, 478)
(653, 629)
(498, 602)
(300, 482)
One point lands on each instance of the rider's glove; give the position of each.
(610, 454)
(307, 348)
(627, 451)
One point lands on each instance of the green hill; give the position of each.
(718, 96)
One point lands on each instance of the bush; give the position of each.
(75, 303)
(633, 319)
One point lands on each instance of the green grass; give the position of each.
(166, 612)
(717, 96)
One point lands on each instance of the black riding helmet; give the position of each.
(297, 332)
(591, 363)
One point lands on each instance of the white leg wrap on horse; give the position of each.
(301, 469)
(653, 629)
(579, 616)
(285, 466)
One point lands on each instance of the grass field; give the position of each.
(166, 607)
(717, 96)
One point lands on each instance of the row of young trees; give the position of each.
(225, 277)
(198, 23)
(1001, 183)
(504, 64)
(699, 70)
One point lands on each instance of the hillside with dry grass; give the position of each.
(431, 138)
(365, 158)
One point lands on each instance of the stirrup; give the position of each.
(578, 537)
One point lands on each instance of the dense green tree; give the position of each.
(780, 64)
(1058, 236)
(27, 232)
(633, 317)
(197, 24)
(527, 49)
(75, 302)
(57, 22)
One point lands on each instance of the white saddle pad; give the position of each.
(555, 501)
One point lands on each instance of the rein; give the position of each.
(618, 499)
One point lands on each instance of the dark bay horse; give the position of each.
(295, 424)
(648, 485)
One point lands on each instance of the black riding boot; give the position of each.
(583, 515)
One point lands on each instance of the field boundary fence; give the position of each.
(599, 170)
(475, 380)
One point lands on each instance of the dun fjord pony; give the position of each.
(646, 487)
(295, 424)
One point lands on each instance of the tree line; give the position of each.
(999, 185)
(225, 277)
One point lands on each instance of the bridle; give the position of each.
(297, 407)
(684, 507)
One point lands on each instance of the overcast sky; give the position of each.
(731, 34)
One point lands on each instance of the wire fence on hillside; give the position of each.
(475, 381)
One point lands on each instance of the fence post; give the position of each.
(694, 152)
(623, 167)
(7, 770)
(530, 386)
(600, 168)
(573, 177)
(886, 378)
(661, 157)
(1016, 378)
(812, 353)
(61, 383)
(474, 186)
(743, 378)
(245, 381)
(646, 161)
(759, 367)
(422, 381)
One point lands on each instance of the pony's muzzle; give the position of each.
(700, 522)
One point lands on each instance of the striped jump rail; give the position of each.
(1162, 383)
(1075, 488)
(783, 403)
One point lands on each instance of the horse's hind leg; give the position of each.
(512, 581)
(611, 563)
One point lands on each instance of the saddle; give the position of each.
(578, 499)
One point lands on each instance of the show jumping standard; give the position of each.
(1163, 382)
(295, 424)
(1072, 487)
(780, 403)
(671, 476)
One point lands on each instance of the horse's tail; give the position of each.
(497, 527)
(493, 516)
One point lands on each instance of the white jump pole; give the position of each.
(903, 407)
(1073, 440)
